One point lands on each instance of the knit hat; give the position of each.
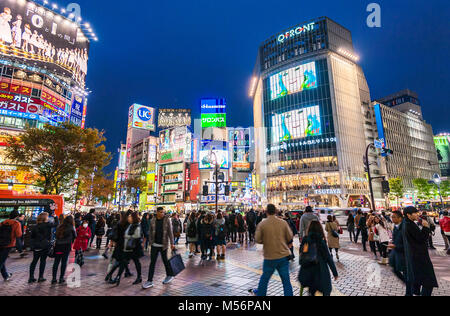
(14, 214)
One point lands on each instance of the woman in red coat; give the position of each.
(81, 242)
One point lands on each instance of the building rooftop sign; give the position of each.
(295, 32)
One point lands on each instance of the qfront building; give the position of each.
(312, 118)
(43, 66)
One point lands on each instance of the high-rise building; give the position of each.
(410, 138)
(312, 118)
(43, 66)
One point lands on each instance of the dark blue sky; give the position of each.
(172, 53)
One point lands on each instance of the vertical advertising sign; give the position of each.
(380, 126)
(213, 113)
(194, 181)
(77, 110)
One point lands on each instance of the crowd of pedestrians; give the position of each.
(401, 240)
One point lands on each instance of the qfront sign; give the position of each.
(296, 32)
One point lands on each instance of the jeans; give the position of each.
(41, 256)
(60, 258)
(351, 233)
(383, 249)
(99, 242)
(373, 247)
(92, 234)
(358, 231)
(269, 267)
(4, 252)
(19, 244)
(364, 238)
(153, 257)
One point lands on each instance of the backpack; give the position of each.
(309, 255)
(221, 232)
(192, 230)
(207, 235)
(5, 235)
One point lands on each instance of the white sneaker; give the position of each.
(147, 285)
(9, 277)
(168, 279)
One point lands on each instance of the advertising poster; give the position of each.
(293, 80)
(213, 106)
(174, 117)
(31, 32)
(208, 160)
(77, 109)
(194, 184)
(143, 117)
(296, 124)
(214, 120)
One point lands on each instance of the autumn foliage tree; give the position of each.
(55, 153)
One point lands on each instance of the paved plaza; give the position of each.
(359, 275)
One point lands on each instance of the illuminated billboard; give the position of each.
(174, 138)
(31, 32)
(442, 143)
(293, 80)
(214, 120)
(143, 117)
(174, 117)
(296, 124)
(122, 160)
(207, 159)
(213, 106)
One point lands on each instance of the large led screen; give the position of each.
(31, 32)
(293, 80)
(296, 124)
(208, 160)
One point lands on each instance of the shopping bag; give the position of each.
(176, 263)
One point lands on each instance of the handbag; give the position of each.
(176, 263)
(51, 249)
(309, 255)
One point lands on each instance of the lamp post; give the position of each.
(437, 180)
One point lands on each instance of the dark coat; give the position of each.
(420, 271)
(41, 235)
(397, 255)
(119, 239)
(318, 276)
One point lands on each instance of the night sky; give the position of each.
(172, 53)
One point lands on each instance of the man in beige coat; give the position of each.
(275, 235)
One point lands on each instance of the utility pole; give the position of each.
(369, 176)
(217, 184)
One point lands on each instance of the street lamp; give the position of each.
(437, 180)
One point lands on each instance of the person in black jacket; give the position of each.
(292, 226)
(316, 275)
(420, 276)
(362, 227)
(206, 236)
(251, 224)
(41, 235)
(397, 255)
(65, 236)
(99, 231)
(91, 218)
(351, 227)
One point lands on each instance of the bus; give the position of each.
(29, 205)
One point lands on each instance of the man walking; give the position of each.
(276, 236)
(420, 276)
(305, 220)
(358, 229)
(397, 255)
(160, 237)
(10, 231)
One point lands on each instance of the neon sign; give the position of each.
(295, 32)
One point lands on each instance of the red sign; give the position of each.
(194, 181)
(19, 103)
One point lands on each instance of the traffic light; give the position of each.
(227, 190)
(385, 186)
(205, 190)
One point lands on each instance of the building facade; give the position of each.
(42, 79)
(408, 135)
(312, 118)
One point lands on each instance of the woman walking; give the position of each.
(316, 262)
(176, 228)
(81, 242)
(332, 229)
(206, 230)
(41, 235)
(100, 232)
(192, 233)
(241, 228)
(373, 238)
(220, 236)
(65, 235)
(383, 237)
(351, 227)
(119, 257)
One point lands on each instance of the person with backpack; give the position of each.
(99, 232)
(40, 240)
(251, 224)
(316, 262)
(275, 235)
(177, 227)
(206, 236)
(220, 236)
(9, 232)
(65, 236)
(191, 233)
(81, 242)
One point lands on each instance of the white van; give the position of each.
(322, 213)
